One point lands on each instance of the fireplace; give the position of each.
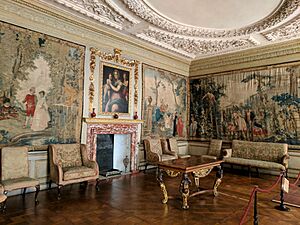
(96, 126)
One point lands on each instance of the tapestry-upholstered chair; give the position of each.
(173, 146)
(156, 150)
(69, 164)
(15, 171)
(214, 149)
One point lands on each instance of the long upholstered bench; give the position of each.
(258, 154)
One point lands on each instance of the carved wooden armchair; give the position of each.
(15, 171)
(69, 164)
(214, 150)
(157, 150)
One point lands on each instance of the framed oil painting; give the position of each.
(260, 104)
(164, 103)
(115, 96)
(41, 88)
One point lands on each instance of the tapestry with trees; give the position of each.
(164, 103)
(41, 88)
(257, 105)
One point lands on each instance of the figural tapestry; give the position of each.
(41, 88)
(257, 105)
(164, 103)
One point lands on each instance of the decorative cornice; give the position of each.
(287, 31)
(146, 13)
(97, 10)
(193, 46)
(247, 57)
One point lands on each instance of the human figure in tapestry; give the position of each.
(262, 105)
(41, 116)
(164, 108)
(41, 87)
(30, 103)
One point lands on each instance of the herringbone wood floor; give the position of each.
(135, 199)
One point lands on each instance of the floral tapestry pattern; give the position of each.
(164, 103)
(255, 105)
(41, 88)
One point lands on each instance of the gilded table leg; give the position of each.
(218, 180)
(162, 186)
(185, 191)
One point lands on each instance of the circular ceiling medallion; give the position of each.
(217, 14)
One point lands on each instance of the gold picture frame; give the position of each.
(115, 89)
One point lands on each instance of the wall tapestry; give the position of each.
(115, 96)
(257, 105)
(41, 88)
(164, 103)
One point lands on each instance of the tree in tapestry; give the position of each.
(257, 105)
(41, 88)
(164, 103)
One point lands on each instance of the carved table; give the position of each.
(198, 167)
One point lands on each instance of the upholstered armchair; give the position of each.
(173, 146)
(15, 171)
(156, 150)
(69, 164)
(214, 150)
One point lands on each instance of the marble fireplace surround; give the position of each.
(97, 126)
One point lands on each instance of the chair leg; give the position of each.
(37, 190)
(3, 206)
(145, 167)
(58, 191)
(97, 184)
(49, 184)
(24, 192)
(257, 171)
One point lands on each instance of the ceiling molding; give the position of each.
(139, 20)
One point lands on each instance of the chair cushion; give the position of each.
(14, 162)
(255, 163)
(71, 173)
(215, 147)
(69, 155)
(166, 157)
(210, 157)
(18, 183)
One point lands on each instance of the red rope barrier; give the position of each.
(272, 187)
(256, 188)
(248, 206)
(295, 183)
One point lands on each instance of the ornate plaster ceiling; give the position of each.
(195, 28)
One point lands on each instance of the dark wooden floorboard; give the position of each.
(135, 199)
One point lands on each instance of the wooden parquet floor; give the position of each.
(135, 199)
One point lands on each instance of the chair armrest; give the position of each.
(226, 153)
(285, 160)
(171, 153)
(91, 164)
(1, 189)
(152, 157)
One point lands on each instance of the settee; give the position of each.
(258, 154)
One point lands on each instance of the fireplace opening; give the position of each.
(105, 155)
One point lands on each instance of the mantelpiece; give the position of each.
(97, 126)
